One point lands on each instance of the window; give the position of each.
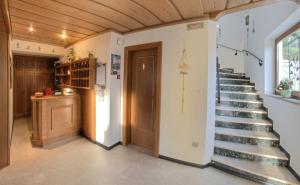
(287, 57)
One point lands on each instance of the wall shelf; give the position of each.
(77, 74)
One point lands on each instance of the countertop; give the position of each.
(52, 97)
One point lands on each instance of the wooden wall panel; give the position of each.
(31, 74)
(88, 104)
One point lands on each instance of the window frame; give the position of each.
(277, 40)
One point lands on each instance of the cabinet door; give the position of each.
(29, 84)
(19, 94)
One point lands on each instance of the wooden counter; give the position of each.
(55, 118)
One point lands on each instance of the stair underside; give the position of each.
(270, 172)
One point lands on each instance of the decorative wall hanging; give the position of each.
(183, 71)
(115, 65)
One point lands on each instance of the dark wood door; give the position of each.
(29, 88)
(31, 74)
(19, 94)
(143, 97)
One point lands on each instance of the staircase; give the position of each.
(244, 142)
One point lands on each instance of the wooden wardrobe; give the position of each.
(31, 74)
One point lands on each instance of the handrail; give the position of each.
(218, 82)
(260, 61)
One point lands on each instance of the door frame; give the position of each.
(5, 85)
(126, 130)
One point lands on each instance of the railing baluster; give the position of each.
(218, 81)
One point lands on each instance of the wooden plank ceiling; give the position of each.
(63, 22)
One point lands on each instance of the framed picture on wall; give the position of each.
(115, 64)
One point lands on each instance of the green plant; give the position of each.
(285, 84)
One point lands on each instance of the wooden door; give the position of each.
(31, 74)
(143, 94)
(29, 89)
(19, 87)
(19, 94)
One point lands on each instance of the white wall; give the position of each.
(265, 19)
(34, 48)
(285, 114)
(231, 33)
(178, 130)
(108, 123)
(196, 124)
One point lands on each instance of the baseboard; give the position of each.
(294, 172)
(106, 147)
(289, 156)
(184, 162)
(236, 173)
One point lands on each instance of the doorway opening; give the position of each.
(31, 73)
(141, 96)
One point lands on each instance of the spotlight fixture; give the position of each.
(30, 29)
(63, 35)
(236, 53)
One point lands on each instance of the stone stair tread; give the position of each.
(241, 100)
(237, 74)
(244, 120)
(239, 92)
(246, 133)
(236, 79)
(221, 107)
(265, 151)
(271, 172)
(238, 85)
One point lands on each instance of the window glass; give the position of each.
(288, 51)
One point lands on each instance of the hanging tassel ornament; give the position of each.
(183, 67)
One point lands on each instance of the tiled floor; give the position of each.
(82, 163)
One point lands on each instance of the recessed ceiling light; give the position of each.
(63, 35)
(30, 29)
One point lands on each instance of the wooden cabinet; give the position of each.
(31, 74)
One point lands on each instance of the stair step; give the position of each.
(241, 103)
(240, 112)
(226, 70)
(234, 81)
(243, 123)
(246, 137)
(233, 75)
(236, 87)
(239, 95)
(255, 171)
(265, 154)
